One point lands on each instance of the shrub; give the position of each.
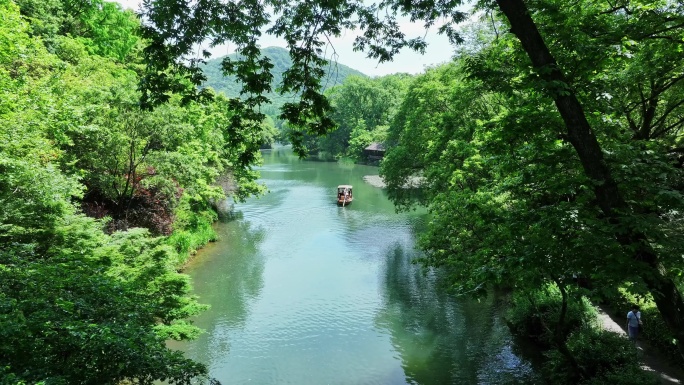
(599, 351)
(626, 376)
(529, 313)
(604, 356)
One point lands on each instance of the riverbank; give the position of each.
(193, 229)
(377, 181)
(374, 180)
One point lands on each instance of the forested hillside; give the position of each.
(335, 74)
(101, 202)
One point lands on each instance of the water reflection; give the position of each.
(441, 339)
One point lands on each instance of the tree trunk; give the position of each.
(581, 136)
(561, 335)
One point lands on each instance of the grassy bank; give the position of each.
(193, 228)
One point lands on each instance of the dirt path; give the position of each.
(651, 359)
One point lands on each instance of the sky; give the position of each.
(439, 50)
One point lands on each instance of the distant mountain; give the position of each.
(281, 61)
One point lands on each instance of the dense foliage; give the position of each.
(92, 299)
(594, 355)
(362, 111)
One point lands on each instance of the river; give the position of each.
(305, 292)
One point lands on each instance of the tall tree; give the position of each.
(609, 197)
(99, 307)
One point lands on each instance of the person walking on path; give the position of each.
(633, 323)
(651, 359)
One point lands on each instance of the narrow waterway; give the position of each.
(305, 292)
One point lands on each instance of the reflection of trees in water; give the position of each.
(441, 339)
(229, 281)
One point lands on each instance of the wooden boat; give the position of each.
(344, 195)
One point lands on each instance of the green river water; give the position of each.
(305, 292)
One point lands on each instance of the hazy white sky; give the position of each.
(438, 51)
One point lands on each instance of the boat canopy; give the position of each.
(342, 187)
